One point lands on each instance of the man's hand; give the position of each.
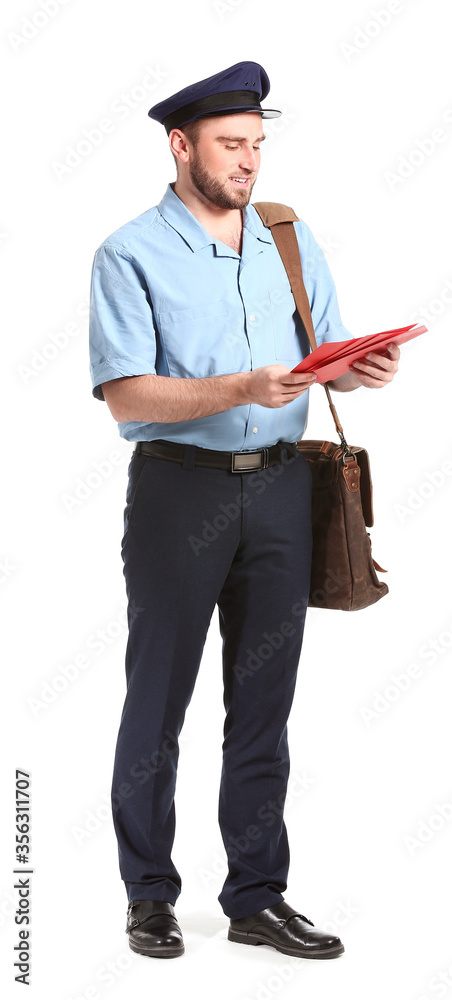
(276, 385)
(375, 370)
(164, 399)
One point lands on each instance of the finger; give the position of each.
(391, 354)
(371, 368)
(298, 378)
(394, 351)
(372, 382)
(290, 391)
(378, 360)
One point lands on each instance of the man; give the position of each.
(193, 334)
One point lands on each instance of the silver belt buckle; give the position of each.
(249, 462)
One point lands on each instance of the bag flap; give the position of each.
(331, 454)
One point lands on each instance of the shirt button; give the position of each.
(252, 318)
(255, 430)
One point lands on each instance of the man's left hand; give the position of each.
(375, 370)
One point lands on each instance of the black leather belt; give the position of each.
(233, 461)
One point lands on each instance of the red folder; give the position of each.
(333, 359)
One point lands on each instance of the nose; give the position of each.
(249, 159)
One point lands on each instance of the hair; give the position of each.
(191, 130)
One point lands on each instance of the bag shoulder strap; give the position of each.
(280, 219)
(271, 213)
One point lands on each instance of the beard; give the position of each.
(211, 188)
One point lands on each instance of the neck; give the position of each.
(213, 218)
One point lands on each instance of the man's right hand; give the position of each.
(163, 399)
(276, 385)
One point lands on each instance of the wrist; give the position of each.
(243, 385)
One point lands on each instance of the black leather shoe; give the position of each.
(287, 931)
(153, 929)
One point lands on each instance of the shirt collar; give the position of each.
(179, 217)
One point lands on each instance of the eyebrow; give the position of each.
(235, 138)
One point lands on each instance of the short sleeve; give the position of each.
(121, 329)
(320, 289)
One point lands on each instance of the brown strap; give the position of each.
(280, 219)
(271, 213)
(376, 565)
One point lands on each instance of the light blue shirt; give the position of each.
(167, 298)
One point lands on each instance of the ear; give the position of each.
(179, 145)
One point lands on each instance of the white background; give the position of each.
(370, 837)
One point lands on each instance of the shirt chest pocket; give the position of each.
(199, 341)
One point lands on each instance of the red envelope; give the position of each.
(333, 359)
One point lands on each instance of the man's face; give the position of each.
(225, 161)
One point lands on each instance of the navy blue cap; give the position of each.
(239, 88)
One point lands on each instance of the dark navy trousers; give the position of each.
(196, 538)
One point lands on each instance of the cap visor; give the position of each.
(217, 113)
